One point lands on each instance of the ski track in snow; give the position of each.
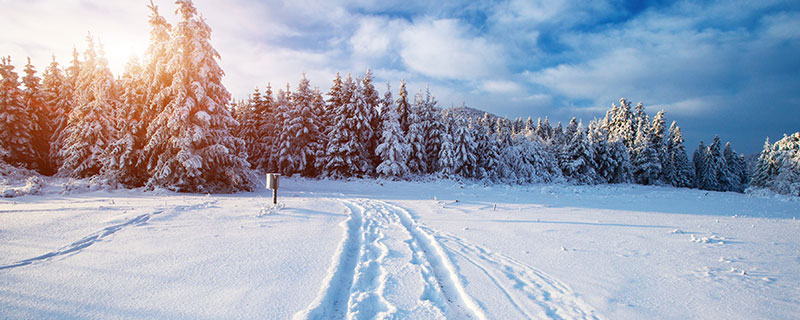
(529, 291)
(357, 281)
(98, 236)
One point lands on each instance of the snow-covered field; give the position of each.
(367, 249)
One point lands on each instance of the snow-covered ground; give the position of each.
(367, 249)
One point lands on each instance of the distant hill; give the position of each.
(470, 112)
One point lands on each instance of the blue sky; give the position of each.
(717, 67)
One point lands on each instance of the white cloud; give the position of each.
(501, 86)
(444, 49)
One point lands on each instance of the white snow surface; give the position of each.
(365, 249)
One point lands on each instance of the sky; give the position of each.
(729, 68)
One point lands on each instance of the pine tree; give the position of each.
(57, 93)
(786, 154)
(370, 122)
(486, 153)
(679, 172)
(15, 122)
(737, 174)
(446, 163)
(190, 147)
(715, 170)
(248, 115)
(658, 143)
(619, 123)
(283, 106)
(322, 114)
(40, 115)
(122, 157)
(465, 163)
(604, 162)
(298, 144)
(763, 171)
(403, 106)
(393, 150)
(157, 72)
(698, 162)
(346, 157)
(645, 160)
(433, 130)
(417, 161)
(74, 69)
(267, 131)
(91, 127)
(577, 160)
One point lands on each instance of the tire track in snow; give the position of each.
(358, 278)
(332, 302)
(98, 236)
(458, 304)
(531, 292)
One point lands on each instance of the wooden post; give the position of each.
(273, 180)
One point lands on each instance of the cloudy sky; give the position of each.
(717, 67)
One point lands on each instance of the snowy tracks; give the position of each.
(530, 292)
(388, 267)
(98, 236)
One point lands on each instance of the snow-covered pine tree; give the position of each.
(486, 153)
(543, 129)
(679, 173)
(764, 168)
(786, 153)
(640, 117)
(558, 138)
(645, 159)
(248, 128)
(73, 71)
(510, 167)
(737, 169)
(283, 104)
(417, 162)
(577, 161)
(190, 146)
(605, 164)
(658, 138)
(715, 170)
(323, 115)
(299, 145)
(58, 96)
(528, 129)
(621, 125)
(370, 122)
(446, 163)
(699, 163)
(346, 157)
(535, 164)
(157, 71)
(334, 103)
(403, 106)
(91, 127)
(122, 157)
(393, 150)
(15, 122)
(465, 162)
(433, 132)
(41, 120)
(267, 131)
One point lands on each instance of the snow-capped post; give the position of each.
(273, 180)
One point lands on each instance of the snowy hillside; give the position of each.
(366, 249)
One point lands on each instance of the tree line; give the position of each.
(169, 122)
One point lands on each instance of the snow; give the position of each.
(367, 249)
